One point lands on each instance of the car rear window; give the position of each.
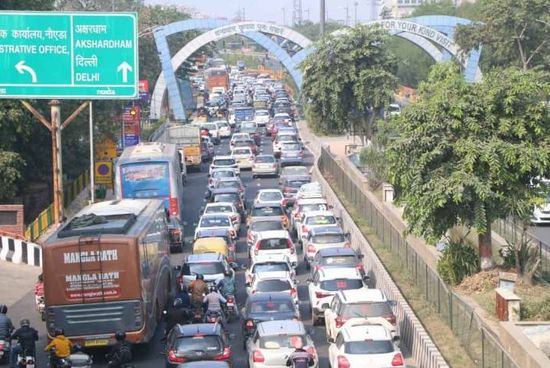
(296, 183)
(279, 341)
(329, 238)
(224, 162)
(242, 151)
(321, 220)
(270, 267)
(341, 284)
(273, 244)
(223, 174)
(265, 160)
(272, 285)
(339, 260)
(228, 197)
(203, 268)
(313, 207)
(266, 225)
(194, 344)
(271, 306)
(215, 222)
(271, 196)
(218, 209)
(228, 184)
(377, 309)
(369, 347)
(291, 147)
(267, 211)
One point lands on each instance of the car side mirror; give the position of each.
(396, 338)
(177, 268)
(195, 224)
(234, 265)
(244, 266)
(360, 256)
(348, 235)
(393, 303)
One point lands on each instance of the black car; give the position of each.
(232, 195)
(337, 257)
(197, 342)
(262, 307)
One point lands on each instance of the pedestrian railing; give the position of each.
(482, 347)
(46, 218)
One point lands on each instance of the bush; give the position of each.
(457, 261)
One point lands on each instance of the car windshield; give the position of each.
(219, 209)
(296, 170)
(340, 260)
(266, 225)
(209, 126)
(270, 267)
(329, 238)
(291, 147)
(226, 197)
(314, 207)
(279, 341)
(273, 244)
(204, 268)
(242, 151)
(215, 222)
(272, 285)
(262, 113)
(228, 184)
(341, 284)
(224, 162)
(296, 183)
(265, 159)
(271, 196)
(369, 347)
(223, 174)
(222, 125)
(267, 211)
(248, 125)
(373, 309)
(286, 138)
(321, 220)
(271, 306)
(193, 344)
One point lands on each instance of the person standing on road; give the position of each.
(26, 337)
(6, 326)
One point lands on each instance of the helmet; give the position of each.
(178, 303)
(25, 322)
(296, 342)
(3, 309)
(213, 288)
(200, 276)
(120, 335)
(59, 331)
(227, 273)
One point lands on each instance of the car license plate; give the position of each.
(29, 366)
(98, 342)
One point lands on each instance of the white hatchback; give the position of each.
(269, 196)
(274, 242)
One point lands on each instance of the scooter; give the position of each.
(213, 317)
(79, 359)
(25, 360)
(4, 349)
(231, 308)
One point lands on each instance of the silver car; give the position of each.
(270, 346)
(265, 165)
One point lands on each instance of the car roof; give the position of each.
(319, 213)
(217, 204)
(225, 191)
(272, 275)
(366, 331)
(265, 155)
(320, 200)
(332, 229)
(272, 234)
(225, 157)
(205, 257)
(271, 258)
(361, 295)
(200, 328)
(214, 215)
(270, 190)
(287, 327)
(269, 296)
(332, 273)
(336, 251)
(270, 204)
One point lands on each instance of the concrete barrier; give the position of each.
(20, 251)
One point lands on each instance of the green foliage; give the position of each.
(27, 4)
(516, 32)
(10, 174)
(374, 155)
(456, 262)
(538, 311)
(413, 63)
(349, 77)
(311, 30)
(466, 153)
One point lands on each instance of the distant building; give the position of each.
(404, 8)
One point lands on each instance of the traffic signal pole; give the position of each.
(56, 128)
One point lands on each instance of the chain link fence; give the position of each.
(482, 346)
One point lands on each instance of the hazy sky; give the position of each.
(272, 10)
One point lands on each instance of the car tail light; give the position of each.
(311, 350)
(311, 248)
(225, 355)
(257, 357)
(234, 218)
(343, 362)
(391, 319)
(174, 206)
(249, 325)
(257, 248)
(293, 292)
(340, 321)
(347, 245)
(360, 267)
(321, 294)
(173, 358)
(397, 360)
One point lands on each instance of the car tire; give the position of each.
(314, 318)
(254, 176)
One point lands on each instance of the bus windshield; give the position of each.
(145, 180)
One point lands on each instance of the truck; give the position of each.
(187, 137)
(217, 77)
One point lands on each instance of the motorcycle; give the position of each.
(4, 349)
(79, 359)
(197, 315)
(26, 360)
(213, 317)
(231, 308)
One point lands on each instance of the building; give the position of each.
(403, 8)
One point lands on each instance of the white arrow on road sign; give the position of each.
(22, 68)
(125, 68)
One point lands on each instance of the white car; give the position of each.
(353, 305)
(224, 128)
(269, 264)
(271, 282)
(306, 205)
(310, 190)
(393, 110)
(274, 242)
(261, 117)
(282, 138)
(269, 196)
(312, 219)
(541, 213)
(243, 156)
(321, 237)
(224, 208)
(213, 131)
(365, 345)
(239, 137)
(215, 221)
(221, 173)
(326, 282)
(282, 116)
(224, 162)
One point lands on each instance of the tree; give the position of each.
(468, 153)
(27, 4)
(10, 174)
(348, 79)
(311, 30)
(516, 31)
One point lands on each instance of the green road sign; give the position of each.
(68, 55)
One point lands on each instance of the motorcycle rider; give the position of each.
(198, 289)
(39, 290)
(183, 294)
(26, 337)
(179, 314)
(121, 352)
(62, 346)
(213, 301)
(6, 327)
(300, 358)
(227, 284)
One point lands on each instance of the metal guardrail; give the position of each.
(480, 344)
(45, 218)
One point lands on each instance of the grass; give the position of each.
(441, 334)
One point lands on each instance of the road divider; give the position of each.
(20, 251)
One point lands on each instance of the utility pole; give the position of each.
(355, 19)
(322, 17)
(347, 14)
(307, 12)
(297, 13)
(284, 16)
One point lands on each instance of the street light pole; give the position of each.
(355, 20)
(322, 17)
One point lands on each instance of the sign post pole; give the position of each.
(92, 166)
(55, 123)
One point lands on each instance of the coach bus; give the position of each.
(151, 170)
(108, 270)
